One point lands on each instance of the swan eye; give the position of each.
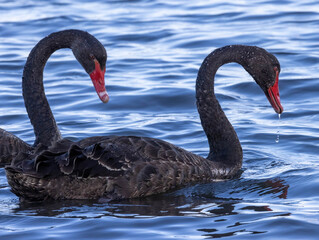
(92, 56)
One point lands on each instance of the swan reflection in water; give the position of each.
(202, 200)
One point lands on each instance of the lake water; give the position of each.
(155, 49)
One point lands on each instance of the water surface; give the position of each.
(154, 51)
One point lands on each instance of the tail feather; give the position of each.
(10, 147)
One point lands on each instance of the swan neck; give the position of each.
(223, 141)
(39, 111)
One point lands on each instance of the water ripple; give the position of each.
(154, 51)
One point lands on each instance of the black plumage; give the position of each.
(116, 167)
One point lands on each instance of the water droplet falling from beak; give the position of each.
(277, 138)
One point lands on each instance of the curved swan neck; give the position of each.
(40, 114)
(222, 138)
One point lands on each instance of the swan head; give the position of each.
(265, 68)
(92, 55)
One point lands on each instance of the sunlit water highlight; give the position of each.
(154, 51)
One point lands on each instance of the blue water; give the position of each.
(154, 51)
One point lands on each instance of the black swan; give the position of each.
(117, 167)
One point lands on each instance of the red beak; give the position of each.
(273, 95)
(97, 77)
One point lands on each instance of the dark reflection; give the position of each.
(160, 205)
(275, 187)
(213, 199)
(225, 203)
(228, 234)
(224, 209)
(257, 208)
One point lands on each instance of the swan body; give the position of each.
(111, 168)
(117, 167)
